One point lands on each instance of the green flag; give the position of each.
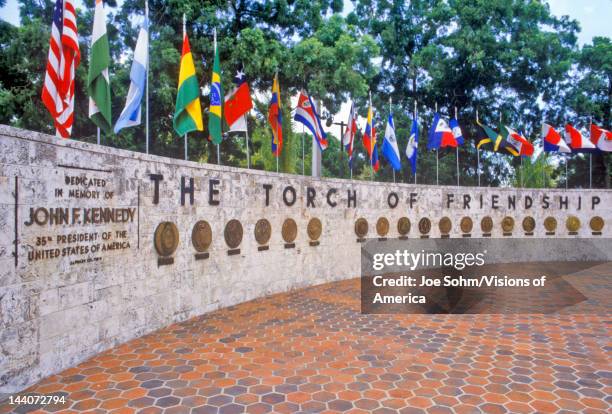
(98, 84)
(216, 99)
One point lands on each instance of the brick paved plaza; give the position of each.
(312, 351)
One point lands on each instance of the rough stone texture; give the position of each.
(54, 314)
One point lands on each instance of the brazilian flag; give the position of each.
(216, 99)
(187, 113)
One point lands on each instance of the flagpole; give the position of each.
(303, 150)
(390, 112)
(277, 163)
(437, 158)
(147, 80)
(186, 157)
(590, 155)
(218, 145)
(478, 152)
(566, 174)
(246, 137)
(457, 150)
(371, 140)
(98, 135)
(416, 149)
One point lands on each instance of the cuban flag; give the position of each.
(307, 115)
(553, 141)
(577, 141)
(389, 146)
(440, 134)
(601, 138)
(457, 133)
(413, 146)
(348, 139)
(130, 116)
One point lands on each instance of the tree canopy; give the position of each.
(512, 61)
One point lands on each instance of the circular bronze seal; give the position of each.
(424, 225)
(486, 224)
(233, 233)
(529, 224)
(507, 224)
(550, 223)
(361, 227)
(466, 224)
(403, 226)
(382, 226)
(289, 230)
(263, 231)
(314, 229)
(597, 223)
(572, 223)
(166, 238)
(201, 236)
(445, 225)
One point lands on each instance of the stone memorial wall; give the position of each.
(99, 245)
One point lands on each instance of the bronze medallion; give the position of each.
(403, 226)
(263, 231)
(597, 223)
(233, 233)
(486, 224)
(201, 236)
(382, 226)
(166, 238)
(466, 225)
(314, 228)
(572, 223)
(289, 230)
(550, 223)
(424, 225)
(507, 224)
(529, 224)
(361, 227)
(445, 225)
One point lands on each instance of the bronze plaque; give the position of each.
(486, 224)
(466, 224)
(382, 226)
(529, 224)
(572, 223)
(550, 223)
(233, 233)
(403, 226)
(507, 224)
(445, 225)
(289, 230)
(201, 236)
(314, 228)
(263, 231)
(166, 238)
(361, 227)
(424, 225)
(597, 223)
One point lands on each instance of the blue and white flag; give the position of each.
(458, 134)
(389, 146)
(413, 145)
(130, 116)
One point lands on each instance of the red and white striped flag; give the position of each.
(64, 57)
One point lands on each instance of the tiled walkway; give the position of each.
(313, 351)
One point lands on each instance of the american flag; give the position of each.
(64, 57)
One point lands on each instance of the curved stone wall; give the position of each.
(99, 245)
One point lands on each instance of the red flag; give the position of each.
(237, 104)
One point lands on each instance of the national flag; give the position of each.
(306, 113)
(216, 98)
(440, 135)
(389, 146)
(601, 138)
(188, 112)
(457, 133)
(577, 141)
(413, 145)
(487, 139)
(348, 139)
(238, 103)
(63, 59)
(130, 116)
(275, 117)
(369, 139)
(516, 144)
(552, 140)
(98, 83)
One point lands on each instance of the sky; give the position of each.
(594, 17)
